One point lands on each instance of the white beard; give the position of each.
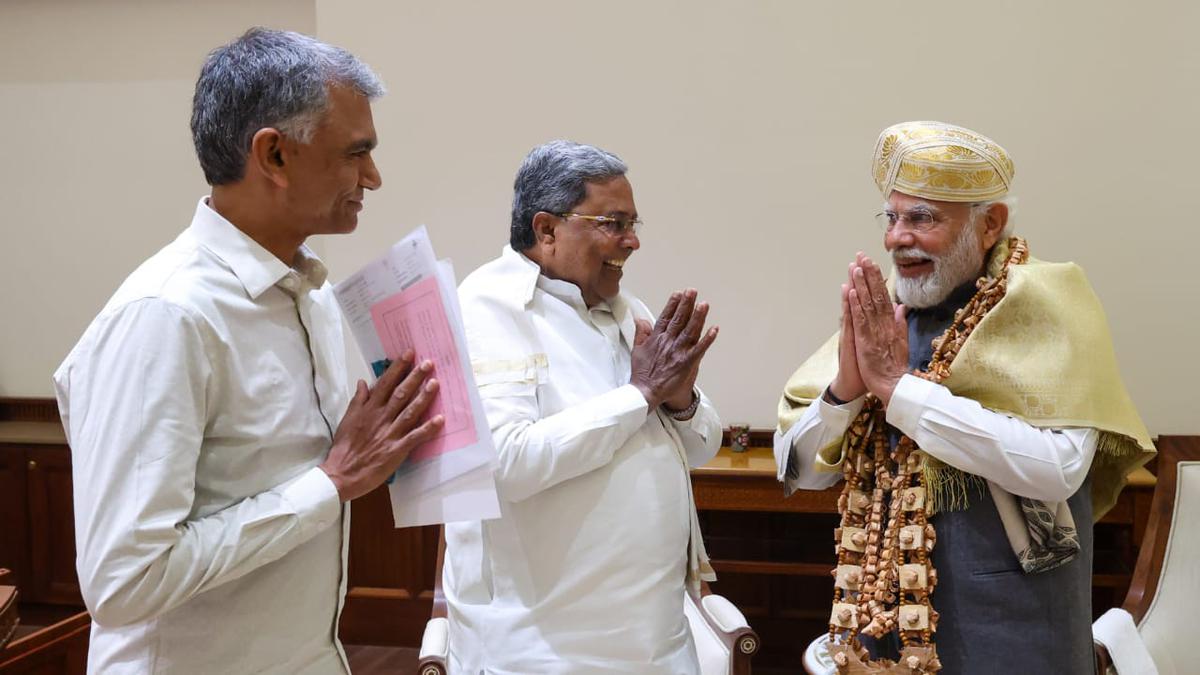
(962, 263)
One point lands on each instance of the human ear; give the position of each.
(994, 222)
(544, 225)
(267, 156)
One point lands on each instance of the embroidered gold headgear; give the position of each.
(942, 162)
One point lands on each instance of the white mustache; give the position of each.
(910, 256)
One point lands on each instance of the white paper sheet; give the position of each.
(407, 299)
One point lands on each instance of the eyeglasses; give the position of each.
(919, 221)
(614, 227)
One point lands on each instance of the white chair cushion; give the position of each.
(714, 658)
(727, 616)
(1126, 650)
(436, 640)
(1169, 627)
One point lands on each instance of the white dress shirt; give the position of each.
(1046, 464)
(198, 405)
(585, 570)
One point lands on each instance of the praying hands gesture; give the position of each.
(873, 347)
(666, 356)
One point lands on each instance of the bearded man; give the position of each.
(993, 386)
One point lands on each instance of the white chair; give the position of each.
(1165, 590)
(724, 641)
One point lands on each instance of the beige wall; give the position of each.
(748, 128)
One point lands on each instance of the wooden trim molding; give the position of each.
(28, 410)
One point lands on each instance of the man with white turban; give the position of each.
(990, 392)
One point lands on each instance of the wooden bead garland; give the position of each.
(884, 575)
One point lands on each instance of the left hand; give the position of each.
(880, 330)
(681, 397)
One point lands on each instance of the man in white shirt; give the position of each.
(214, 444)
(997, 371)
(596, 419)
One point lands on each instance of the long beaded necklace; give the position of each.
(884, 575)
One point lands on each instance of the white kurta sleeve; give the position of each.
(798, 460)
(136, 411)
(1046, 464)
(701, 435)
(536, 454)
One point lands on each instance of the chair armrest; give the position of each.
(435, 648)
(728, 622)
(1102, 659)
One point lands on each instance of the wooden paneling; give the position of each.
(390, 589)
(52, 525)
(14, 535)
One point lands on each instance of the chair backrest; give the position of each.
(1166, 589)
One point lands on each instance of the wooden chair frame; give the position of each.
(1171, 451)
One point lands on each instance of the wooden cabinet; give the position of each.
(37, 525)
(389, 591)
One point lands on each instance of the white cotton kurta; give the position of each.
(198, 405)
(1024, 460)
(584, 572)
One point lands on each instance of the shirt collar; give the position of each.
(525, 276)
(254, 266)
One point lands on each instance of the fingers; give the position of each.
(406, 390)
(641, 331)
(876, 285)
(695, 325)
(683, 313)
(423, 433)
(668, 312)
(857, 313)
(407, 418)
(902, 319)
(847, 321)
(860, 294)
(414, 439)
(701, 347)
(382, 391)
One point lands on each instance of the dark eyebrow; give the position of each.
(367, 144)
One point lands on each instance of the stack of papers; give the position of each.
(407, 300)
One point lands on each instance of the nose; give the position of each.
(631, 241)
(369, 177)
(899, 236)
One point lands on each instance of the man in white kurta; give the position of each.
(587, 567)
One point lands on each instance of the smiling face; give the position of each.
(931, 264)
(327, 177)
(578, 250)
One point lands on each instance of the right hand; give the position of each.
(381, 426)
(666, 358)
(848, 384)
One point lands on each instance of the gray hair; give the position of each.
(980, 208)
(553, 178)
(267, 78)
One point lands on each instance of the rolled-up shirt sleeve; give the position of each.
(1046, 464)
(136, 412)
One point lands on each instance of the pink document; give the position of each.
(416, 318)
